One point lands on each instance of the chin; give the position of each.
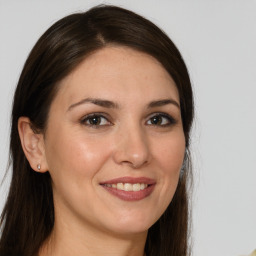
(128, 225)
(129, 230)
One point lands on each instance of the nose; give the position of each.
(132, 148)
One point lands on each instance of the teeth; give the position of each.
(136, 187)
(120, 186)
(128, 186)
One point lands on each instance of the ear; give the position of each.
(33, 145)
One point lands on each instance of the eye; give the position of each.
(95, 120)
(161, 119)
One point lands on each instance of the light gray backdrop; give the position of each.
(218, 42)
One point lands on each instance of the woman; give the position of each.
(100, 141)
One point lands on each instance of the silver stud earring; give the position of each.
(182, 170)
(184, 165)
(39, 167)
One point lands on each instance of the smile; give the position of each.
(129, 188)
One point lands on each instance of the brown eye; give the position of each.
(95, 120)
(156, 120)
(161, 120)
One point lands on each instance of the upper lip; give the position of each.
(132, 180)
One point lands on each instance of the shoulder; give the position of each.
(253, 253)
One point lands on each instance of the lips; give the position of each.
(130, 188)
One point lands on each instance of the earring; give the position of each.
(184, 165)
(39, 167)
(182, 170)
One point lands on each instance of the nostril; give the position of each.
(135, 164)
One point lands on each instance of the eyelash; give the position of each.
(89, 118)
(170, 120)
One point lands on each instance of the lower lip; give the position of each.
(131, 195)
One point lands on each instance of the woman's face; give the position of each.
(114, 143)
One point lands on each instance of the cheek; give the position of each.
(170, 154)
(74, 162)
(72, 157)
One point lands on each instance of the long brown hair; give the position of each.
(28, 216)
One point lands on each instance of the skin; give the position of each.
(126, 141)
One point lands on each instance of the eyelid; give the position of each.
(170, 118)
(95, 114)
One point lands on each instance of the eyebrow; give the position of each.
(98, 102)
(159, 103)
(111, 104)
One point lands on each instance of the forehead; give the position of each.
(117, 73)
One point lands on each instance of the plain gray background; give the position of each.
(218, 42)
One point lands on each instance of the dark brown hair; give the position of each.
(28, 216)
